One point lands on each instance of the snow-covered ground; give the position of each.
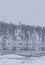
(19, 60)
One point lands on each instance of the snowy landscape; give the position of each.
(19, 60)
(22, 44)
(22, 32)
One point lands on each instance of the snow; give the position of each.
(19, 60)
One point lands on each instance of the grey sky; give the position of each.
(30, 12)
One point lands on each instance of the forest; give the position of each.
(21, 38)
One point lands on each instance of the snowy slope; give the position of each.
(19, 60)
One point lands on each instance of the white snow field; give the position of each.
(19, 60)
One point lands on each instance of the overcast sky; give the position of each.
(30, 12)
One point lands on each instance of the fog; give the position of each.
(31, 12)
